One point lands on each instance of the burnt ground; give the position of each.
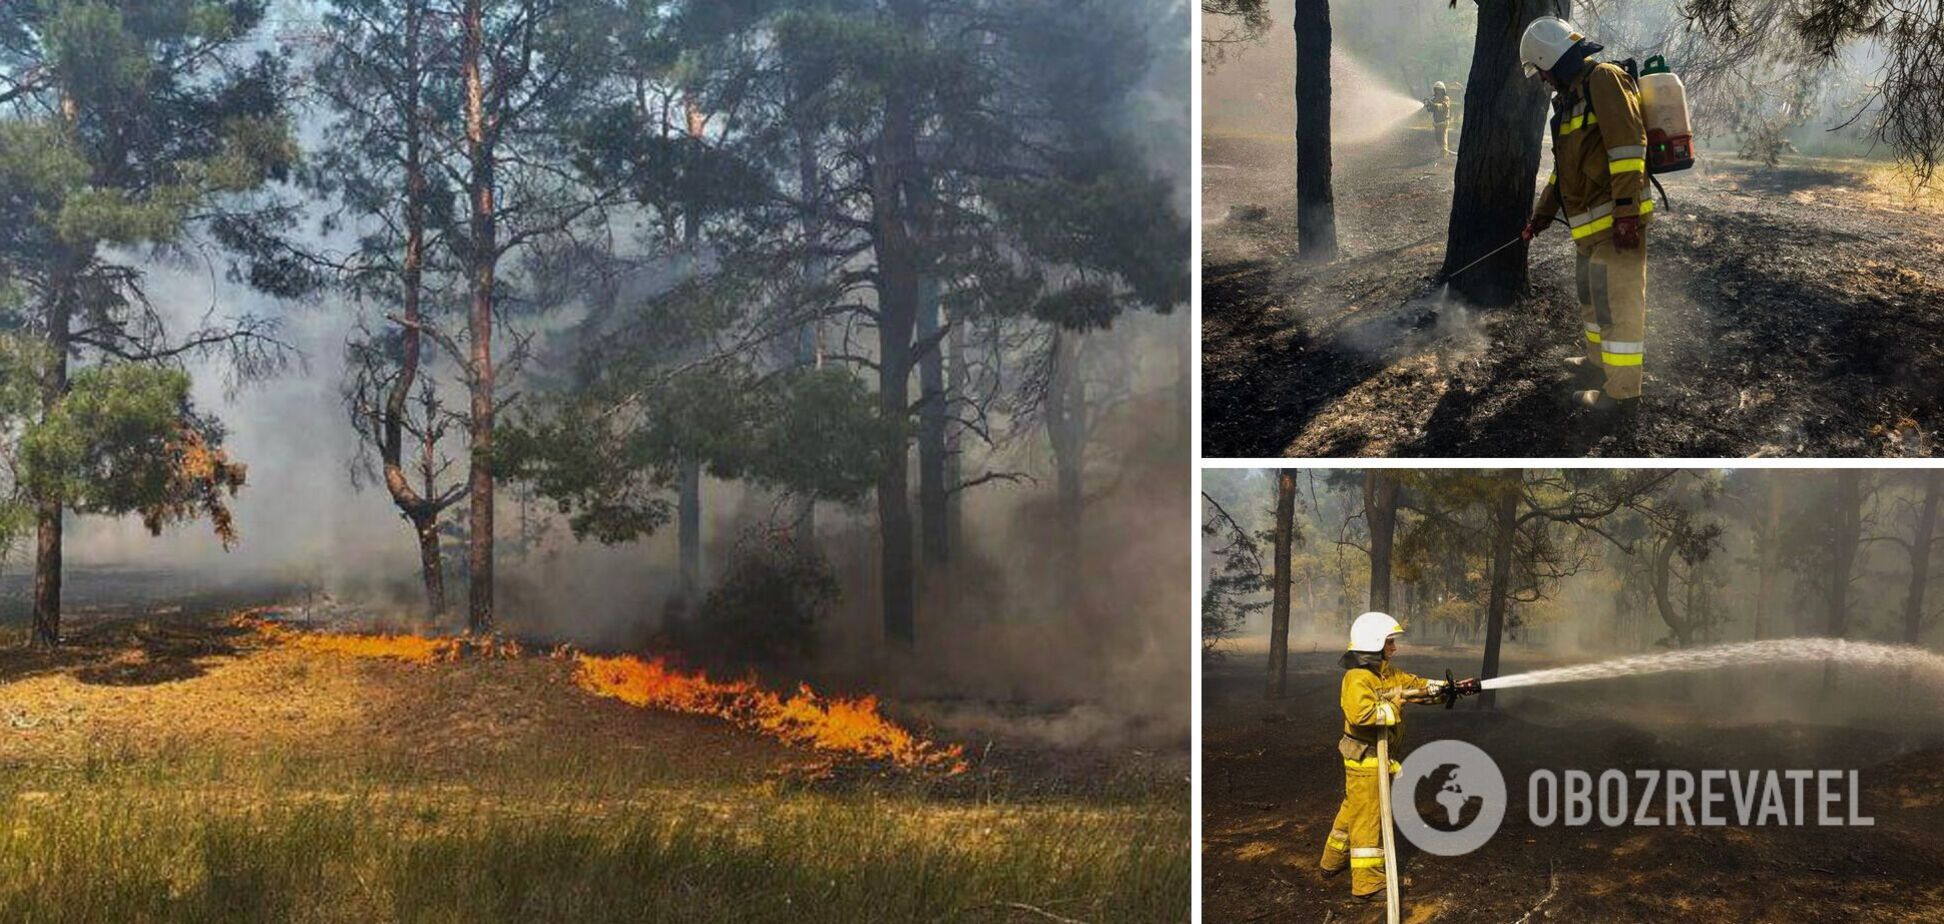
(148, 671)
(1272, 781)
(1795, 310)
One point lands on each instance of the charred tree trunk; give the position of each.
(1380, 511)
(688, 530)
(934, 537)
(483, 258)
(1920, 555)
(1505, 524)
(1315, 202)
(1498, 155)
(1842, 560)
(1279, 609)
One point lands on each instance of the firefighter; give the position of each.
(1373, 695)
(1439, 105)
(1599, 182)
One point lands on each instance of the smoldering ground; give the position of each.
(1789, 301)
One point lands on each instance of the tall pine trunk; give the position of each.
(420, 509)
(894, 482)
(959, 379)
(483, 259)
(1505, 524)
(803, 521)
(1315, 202)
(1842, 559)
(1066, 431)
(1771, 554)
(1920, 555)
(895, 191)
(1279, 594)
(1380, 511)
(48, 510)
(1498, 156)
(934, 537)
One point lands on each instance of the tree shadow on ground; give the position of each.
(128, 651)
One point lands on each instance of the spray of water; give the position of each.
(1924, 666)
(1362, 108)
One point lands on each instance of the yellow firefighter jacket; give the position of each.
(1373, 706)
(1599, 155)
(1440, 109)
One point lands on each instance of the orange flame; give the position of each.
(413, 649)
(835, 724)
(845, 726)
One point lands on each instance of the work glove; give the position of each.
(1626, 232)
(1533, 227)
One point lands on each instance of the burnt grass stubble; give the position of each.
(1272, 781)
(1787, 315)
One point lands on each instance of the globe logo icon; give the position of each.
(1469, 783)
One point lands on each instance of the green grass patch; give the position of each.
(200, 837)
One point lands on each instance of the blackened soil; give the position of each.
(1272, 781)
(1795, 310)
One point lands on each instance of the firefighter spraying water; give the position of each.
(1373, 695)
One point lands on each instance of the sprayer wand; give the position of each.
(1494, 251)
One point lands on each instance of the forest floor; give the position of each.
(172, 766)
(1795, 310)
(1272, 781)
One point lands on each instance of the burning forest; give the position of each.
(1612, 694)
(513, 460)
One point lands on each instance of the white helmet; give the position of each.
(1438, 87)
(1372, 630)
(1545, 41)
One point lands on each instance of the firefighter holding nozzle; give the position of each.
(1373, 696)
(1599, 181)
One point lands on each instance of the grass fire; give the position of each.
(587, 460)
(852, 727)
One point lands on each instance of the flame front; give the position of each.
(414, 649)
(836, 724)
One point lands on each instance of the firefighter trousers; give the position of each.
(1356, 837)
(1613, 307)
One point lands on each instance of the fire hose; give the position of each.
(1392, 901)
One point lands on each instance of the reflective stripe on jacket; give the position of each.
(1599, 155)
(1372, 700)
